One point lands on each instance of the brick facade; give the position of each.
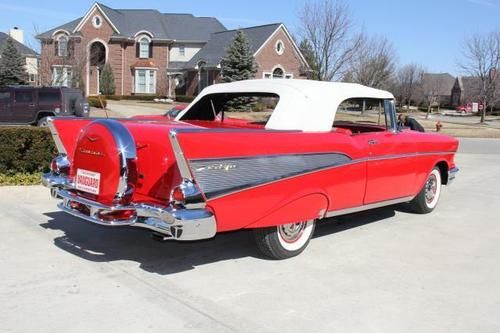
(289, 61)
(121, 55)
(121, 52)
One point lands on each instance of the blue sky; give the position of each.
(429, 32)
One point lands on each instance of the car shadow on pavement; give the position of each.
(107, 244)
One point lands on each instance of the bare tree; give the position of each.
(433, 89)
(373, 64)
(408, 82)
(327, 26)
(481, 58)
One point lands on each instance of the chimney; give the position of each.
(17, 34)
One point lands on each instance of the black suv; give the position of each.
(32, 105)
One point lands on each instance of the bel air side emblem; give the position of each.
(217, 167)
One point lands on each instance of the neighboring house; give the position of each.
(30, 56)
(276, 55)
(152, 52)
(438, 84)
(467, 89)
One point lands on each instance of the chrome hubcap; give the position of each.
(290, 233)
(431, 188)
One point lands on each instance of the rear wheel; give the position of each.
(428, 197)
(284, 241)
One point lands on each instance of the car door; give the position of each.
(391, 170)
(5, 104)
(24, 106)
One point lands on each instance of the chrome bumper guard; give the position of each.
(452, 173)
(172, 223)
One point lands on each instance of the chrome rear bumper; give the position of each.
(172, 223)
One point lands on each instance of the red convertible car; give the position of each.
(316, 155)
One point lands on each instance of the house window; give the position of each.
(288, 76)
(97, 21)
(182, 50)
(279, 47)
(268, 75)
(145, 81)
(144, 47)
(62, 46)
(62, 76)
(278, 73)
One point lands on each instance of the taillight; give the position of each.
(177, 195)
(131, 182)
(60, 165)
(186, 193)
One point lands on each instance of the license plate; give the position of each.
(88, 181)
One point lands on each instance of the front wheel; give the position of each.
(428, 197)
(284, 241)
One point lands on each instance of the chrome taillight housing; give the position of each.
(60, 165)
(186, 194)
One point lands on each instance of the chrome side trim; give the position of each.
(228, 175)
(347, 163)
(173, 223)
(55, 136)
(127, 151)
(367, 207)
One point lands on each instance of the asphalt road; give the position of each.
(386, 270)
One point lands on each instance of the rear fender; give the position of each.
(65, 133)
(308, 207)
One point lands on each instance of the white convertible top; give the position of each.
(303, 104)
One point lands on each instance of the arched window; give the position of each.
(62, 46)
(278, 73)
(144, 48)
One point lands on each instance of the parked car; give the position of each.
(469, 108)
(310, 160)
(33, 105)
(170, 114)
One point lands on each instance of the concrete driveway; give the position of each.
(386, 270)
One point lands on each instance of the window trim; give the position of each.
(182, 50)
(65, 70)
(94, 19)
(60, 49)
(142, 44)
(147, 83)
(278, 42)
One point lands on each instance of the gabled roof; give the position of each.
(441, 82)
(128, 22)
(219, 42)
(21, 48)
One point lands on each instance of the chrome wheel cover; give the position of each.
(292, 232)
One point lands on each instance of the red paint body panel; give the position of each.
(383, 166)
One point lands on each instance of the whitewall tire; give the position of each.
(284, 241)
(428, 197)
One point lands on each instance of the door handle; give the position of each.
(372, 142)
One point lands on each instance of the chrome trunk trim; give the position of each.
(55, 136)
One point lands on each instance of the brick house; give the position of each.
(156, 53)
